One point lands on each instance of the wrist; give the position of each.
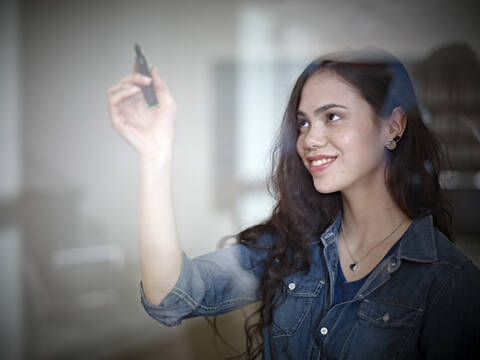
(156, 159)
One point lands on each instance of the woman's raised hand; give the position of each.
(149, 131)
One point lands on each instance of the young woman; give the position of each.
(355, 261)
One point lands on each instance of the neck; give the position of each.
(369, 216)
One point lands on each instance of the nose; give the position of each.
(315, 138)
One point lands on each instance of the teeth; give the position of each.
(322, 161)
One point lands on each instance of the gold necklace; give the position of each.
(353, 266)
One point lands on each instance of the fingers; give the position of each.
(134, 79)
(137, 79)
(130, 87)
(126, 87)
(121, 91)
(116, 95)
(141, 80)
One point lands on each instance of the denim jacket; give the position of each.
(421, 302)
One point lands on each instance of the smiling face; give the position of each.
(339, 141)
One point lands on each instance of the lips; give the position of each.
(320, 162)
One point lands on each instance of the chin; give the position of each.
(324, 188)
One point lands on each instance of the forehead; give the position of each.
(327, 87)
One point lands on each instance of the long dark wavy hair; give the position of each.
(411, 175)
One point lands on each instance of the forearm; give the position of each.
(159, 251)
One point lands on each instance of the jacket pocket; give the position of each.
(387, 314)
(301, 291)
(383, 330)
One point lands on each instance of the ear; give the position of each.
(397, 123)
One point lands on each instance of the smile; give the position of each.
(321, 164)
(322, 161)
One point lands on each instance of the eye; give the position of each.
(302, 123)
(332, 117)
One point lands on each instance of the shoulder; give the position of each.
(424, 243)
(266, 240)
(253, 250)
(452, 313)
(460, 277)
(444, 267)
(449, 253)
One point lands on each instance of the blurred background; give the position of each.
(69, 273)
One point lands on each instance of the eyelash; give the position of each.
(300, 121)
(328, 114)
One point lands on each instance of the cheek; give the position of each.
(358, 141)
(364, 150)
(347, 142)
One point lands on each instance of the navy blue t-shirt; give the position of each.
(346, 290)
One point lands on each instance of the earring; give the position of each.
(392, 144)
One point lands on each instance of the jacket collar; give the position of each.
(416, 244)
(330, 234)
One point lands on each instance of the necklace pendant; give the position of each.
(353, 267)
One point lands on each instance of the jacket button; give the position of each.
(386, 317)
(291, 286)
(324, 331)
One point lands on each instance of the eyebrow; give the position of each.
(321, 109)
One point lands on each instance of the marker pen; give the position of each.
(142, 66)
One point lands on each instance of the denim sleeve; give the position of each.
(452, 325)
(211, 284)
